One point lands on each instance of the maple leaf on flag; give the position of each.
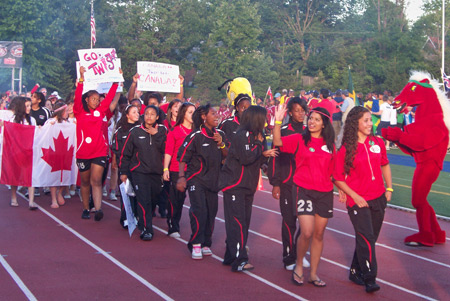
(61, 158)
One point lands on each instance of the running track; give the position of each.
(53, 254)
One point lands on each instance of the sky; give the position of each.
(413, 9)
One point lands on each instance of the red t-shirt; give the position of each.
(314, 163)
(91, 141)
(174, 140)
(166, 123)
(164, 107)
(329, 105)
(365, 178)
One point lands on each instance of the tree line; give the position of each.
(271, 42)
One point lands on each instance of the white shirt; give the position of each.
(386, 110)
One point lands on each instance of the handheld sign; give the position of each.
(158, 77)
(101, 88)
(129, 211)
(102, 65)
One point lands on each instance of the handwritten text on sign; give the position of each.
(99, 87)
(158, 77)
(102, 65)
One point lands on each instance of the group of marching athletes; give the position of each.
(163, 156)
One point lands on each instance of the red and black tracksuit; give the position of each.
(366, 179)
(119, 138)
(203, 159)
(175, 139)
(238, 181)
(280, 172)
(143, 156)
(229, 126)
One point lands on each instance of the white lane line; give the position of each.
(17, 279)
(341, 265)
(378, 244)
(267, 282)
(445, 218)
(104, 253)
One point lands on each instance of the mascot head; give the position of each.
(238, 89)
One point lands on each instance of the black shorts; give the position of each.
(85, 164)
(311, 202)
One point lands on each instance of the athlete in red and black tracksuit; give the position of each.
(143, 157)
(119, 138)
(281, 171)
(238, 181)
(229, 126)
(175, 139)
(203, 158)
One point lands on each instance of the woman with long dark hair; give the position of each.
(281, 171)
(92, 145)
(129, 119)
(38, 110)
(142, 157)
(22, 108)
(238, 181)
(202, 153)
(313, 190)
(361, 167)
(175, 138)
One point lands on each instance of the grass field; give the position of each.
(439, 196)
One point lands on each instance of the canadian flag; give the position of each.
(33, 156)
(269, 92)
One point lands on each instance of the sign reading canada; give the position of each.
(158, 77)
(102, 65)
(11, 54)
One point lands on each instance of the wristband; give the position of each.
(81, 80)
(165, 169)
(223, 145)
(278, 122)
(389, 189)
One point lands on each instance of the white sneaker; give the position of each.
(72, 192)
(306, 263)
(206, 251)
(290, 267)
(175, 235)
(112, 196)
(105, 193)
(67, 196)
(196, 251)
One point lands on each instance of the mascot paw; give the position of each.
(420, 239)
(391, 133)
(440, 237)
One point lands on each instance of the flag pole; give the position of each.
(90, 19)
(443, 36)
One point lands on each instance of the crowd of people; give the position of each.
(165, 149)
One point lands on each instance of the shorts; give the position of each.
(312, 202)
(383, 125)
(85, 164)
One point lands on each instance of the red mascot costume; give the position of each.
(427, 140)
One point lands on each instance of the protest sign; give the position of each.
(99, 87)
(158, 77)
(102, 65)
(126, 203)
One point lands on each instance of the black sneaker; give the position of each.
(85, 214)
(371, 287)
(98, 215)
(146, 236)
(356, 277)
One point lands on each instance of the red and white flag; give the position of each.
(269, 92)
(36, 157)
(93, 36)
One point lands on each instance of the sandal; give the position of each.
(14, 204)
(244, 266)
(317, 283)
(54, 206)
(32, 207)
(298, 283)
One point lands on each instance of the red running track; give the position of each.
(54, 254)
